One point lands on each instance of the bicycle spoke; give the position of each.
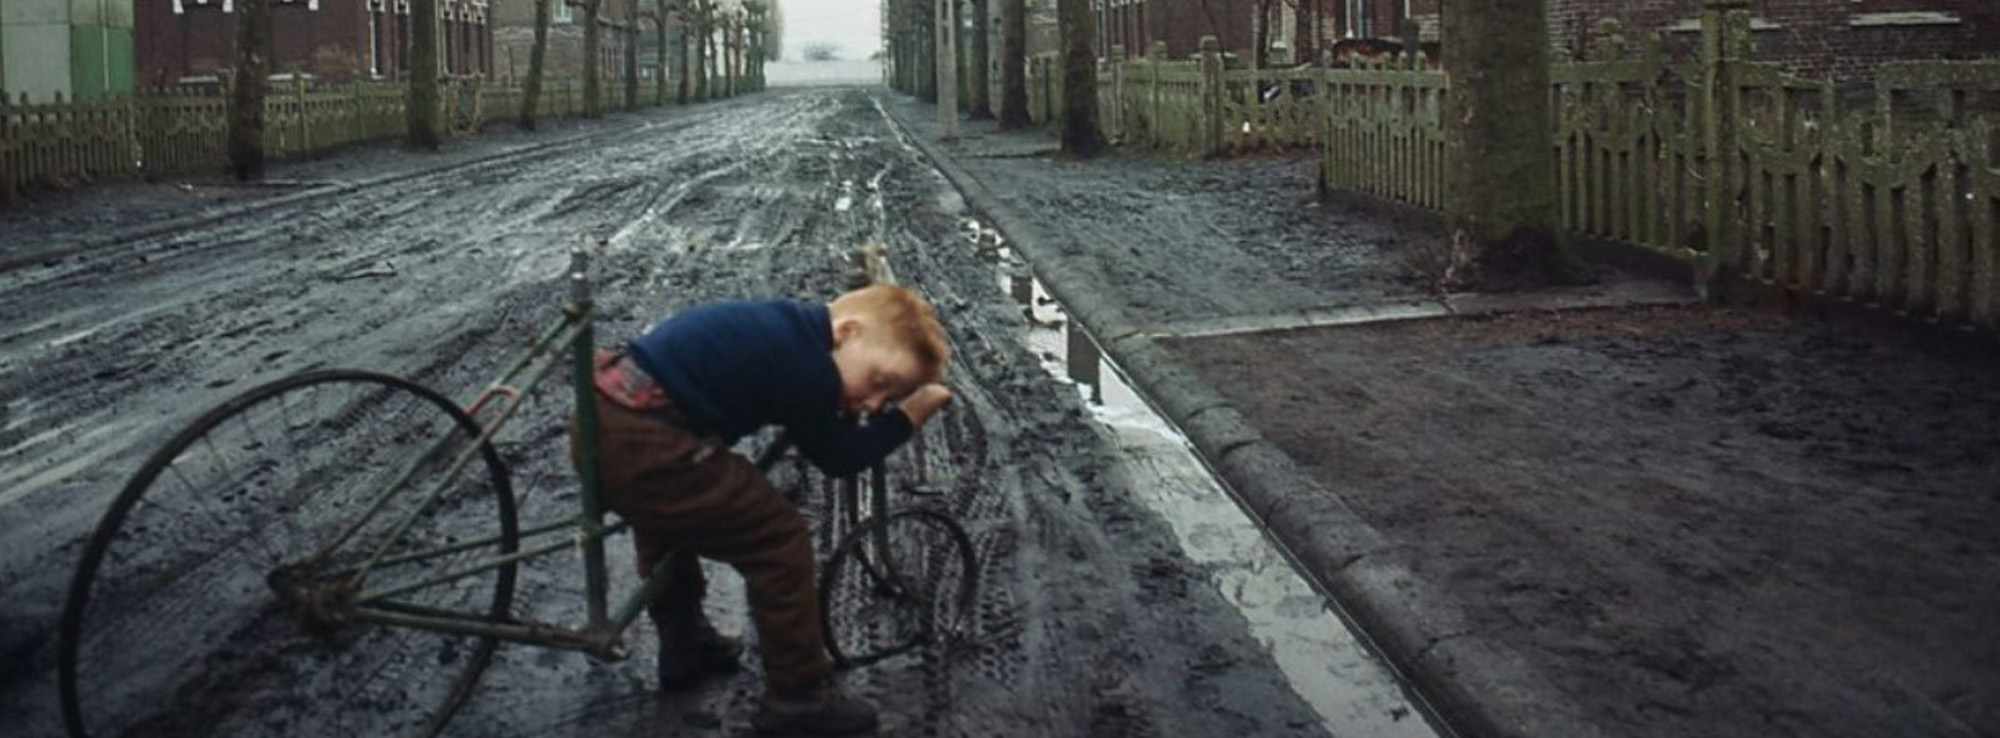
(197, 608)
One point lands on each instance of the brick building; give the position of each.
(1298, 29)
(1843, 39)
(333, 40)
(514, 38)
(78, 49)
(1838, 39)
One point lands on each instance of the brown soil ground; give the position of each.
(1690, 522)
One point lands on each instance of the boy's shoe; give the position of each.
(684, 660)
(818, 710)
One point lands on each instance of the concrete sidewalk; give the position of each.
(1473, 683)
(1644, 517)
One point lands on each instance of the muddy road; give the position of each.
(1091, 620)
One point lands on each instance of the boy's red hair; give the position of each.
(909, 318)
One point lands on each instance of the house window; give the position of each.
(1880, 13)
(402, 33)
(180, 6)
(374, 40)
(561, 14)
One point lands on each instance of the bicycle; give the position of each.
(282, 544)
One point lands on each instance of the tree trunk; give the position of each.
(925, 26)
(1260, 36)
(423, 109)
(593, 73)
(246, 115)
(1504, 208)
(733, 40)
(660, 59)
(712, 73)
(1013, 64)
(977, 60)
(701, 39)
(631, 37)
(1079, 124)
(685, 91)
(531, 94)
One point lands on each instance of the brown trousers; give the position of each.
(685, 495)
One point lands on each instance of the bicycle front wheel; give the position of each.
(896, 583)
(215, 596)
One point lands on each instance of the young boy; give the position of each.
(670, 404)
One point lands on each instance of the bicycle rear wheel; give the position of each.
(896, 583)
(210, 600)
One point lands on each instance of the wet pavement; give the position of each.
(1098, 613)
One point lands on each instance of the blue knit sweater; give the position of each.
(736, 366)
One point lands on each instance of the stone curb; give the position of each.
(1470, 683)
(238, 209)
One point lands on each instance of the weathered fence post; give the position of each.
(1211, 96)
(1724, 26)
(1324, 110)
(1156, 60)
(1117, 126)
(10, 163)
(304, 120)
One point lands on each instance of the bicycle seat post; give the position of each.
(591, 525)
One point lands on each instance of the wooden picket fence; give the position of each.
(1385, 131)
(1888, 196)
(1193, 106)
(183, 130)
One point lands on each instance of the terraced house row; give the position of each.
(1843, 39)
(91, 50)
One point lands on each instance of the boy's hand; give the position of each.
(925, 401)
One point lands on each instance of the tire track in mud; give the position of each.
(104, 356)
(1079, 645)
(1089, 621)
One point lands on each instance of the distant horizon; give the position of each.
(853, 27)
(792, 73)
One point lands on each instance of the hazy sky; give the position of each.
(853, 25)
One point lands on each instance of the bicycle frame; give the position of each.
(600, 635)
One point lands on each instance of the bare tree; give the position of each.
(631, 36)
(687, 11)
(771, 38)
(593, 82)
(704, 33)
(1013, 64)
(658, 15)
(977, 59)
(1079, 125)
(531, 94)
(923, 26)
(1505, 207)
(423, 111)
(246, 99)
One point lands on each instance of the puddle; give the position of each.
(1353, 692)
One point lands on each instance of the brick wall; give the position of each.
(331, 42)
(1842, 39)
